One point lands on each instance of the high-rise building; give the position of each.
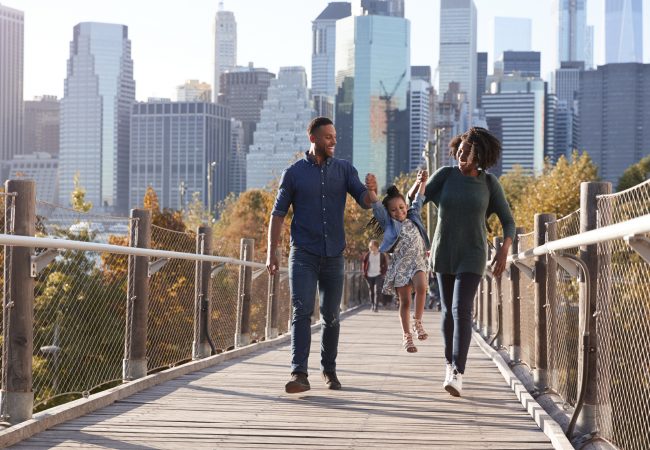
(572, 30)
(567, 80)
(225, 46)
(526, 64)
(41, 130)
(40, 167)
(237, 166)
(324, 48)
(519, 103)
(194, 91)
(176, 144)
(481, 75)
(419, 119)
(623, 31)
(372, 76)
(589, 48)
(281, 134)
(512, 33)
(244, 90)
(614, 103)
(11, 82)
(458, 47)
(393, 8)
(95, 116)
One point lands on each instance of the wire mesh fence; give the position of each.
(527, 307)
(6, 227)
(171, 301)
(79, 307)
(623, 327)
(562, 324)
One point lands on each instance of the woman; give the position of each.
(465, 196)
(375, 265)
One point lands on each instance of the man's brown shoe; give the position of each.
(331, 380)
(298, 383)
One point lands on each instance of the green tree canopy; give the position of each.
(635, 174)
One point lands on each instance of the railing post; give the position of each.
(498, 299)
(137, 305)
(552, 307)
(515, 318)
(589, 254)
(17, 397)
(243, 331)
(201, 346)
(487, 299)
(541, 357)
(272, 307)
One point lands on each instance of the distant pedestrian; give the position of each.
(374, 264)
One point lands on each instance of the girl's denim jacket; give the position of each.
(393, 227)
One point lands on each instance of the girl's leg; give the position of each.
(404, 296)
(465, 287)
(446, 285)
(420, 282)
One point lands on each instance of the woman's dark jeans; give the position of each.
(457, 293)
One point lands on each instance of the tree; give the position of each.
(635, 174)
(78, 196)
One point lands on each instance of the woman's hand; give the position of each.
(371, 185)
(423, 175)
(499, 261)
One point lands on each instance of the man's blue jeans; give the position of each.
(306, 273)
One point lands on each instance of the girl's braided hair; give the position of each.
(485, 146)
(373, 225)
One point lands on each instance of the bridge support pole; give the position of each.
(243, 329)
(497, 298)
(137, 306)
(17, 397)
(201, 345)
(589, 254)
(540, 374)
(515, 313)
(272, 307)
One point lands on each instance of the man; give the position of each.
(316, 186)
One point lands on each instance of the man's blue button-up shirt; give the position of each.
(318, 195)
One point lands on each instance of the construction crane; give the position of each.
(391, 135)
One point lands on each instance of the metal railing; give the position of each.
(578, 315)
(92, 303)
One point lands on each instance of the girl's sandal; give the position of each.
(419, 329)
(407, 343)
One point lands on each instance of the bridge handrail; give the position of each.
(65, 244)
(639, 225)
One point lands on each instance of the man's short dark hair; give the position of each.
(318, 122)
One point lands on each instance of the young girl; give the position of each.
(405, 237)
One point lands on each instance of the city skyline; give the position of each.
(164, 59)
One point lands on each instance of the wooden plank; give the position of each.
(389, 398)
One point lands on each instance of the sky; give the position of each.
(172, 40)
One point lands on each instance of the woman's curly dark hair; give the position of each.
(373, 225)
(485, 146)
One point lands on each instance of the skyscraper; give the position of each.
(519, 105)
(179, 143)
(95, 115)
(614, 103)
(372, 76)
(225, 45)
(572, 30)
(419, 119)
(11, 82)
(393, 8)
(41, 131)
(623, 31)
(194, 91)
(481, 75)
(281, 134)
(567, 80)
(458, 47)
(526, 64)
(323, 48)
(244, 90)
(512, 33)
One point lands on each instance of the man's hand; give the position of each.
(371, 182)
(272, 262)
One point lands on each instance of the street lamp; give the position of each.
(211, 167)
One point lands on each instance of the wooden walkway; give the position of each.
(390, 399)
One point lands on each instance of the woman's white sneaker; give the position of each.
(455, 384)
(448, 370)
